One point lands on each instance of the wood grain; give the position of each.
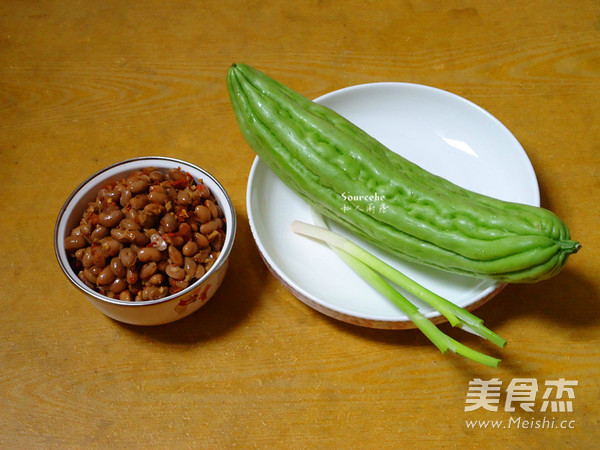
(84, 84)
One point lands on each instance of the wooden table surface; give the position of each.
(84, 84)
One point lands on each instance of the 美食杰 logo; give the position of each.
(556, 397)
(522, 395)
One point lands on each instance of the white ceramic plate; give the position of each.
(443, 133)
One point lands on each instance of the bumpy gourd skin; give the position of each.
(320, 155)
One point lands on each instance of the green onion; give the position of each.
(372, 269)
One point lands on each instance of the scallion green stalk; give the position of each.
(372, 269)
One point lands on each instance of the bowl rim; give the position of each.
(221, 259)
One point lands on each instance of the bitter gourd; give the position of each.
(322, 156)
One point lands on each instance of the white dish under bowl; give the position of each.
(441, 132)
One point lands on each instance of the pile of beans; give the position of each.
(147, 236)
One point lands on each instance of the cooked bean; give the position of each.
(139, 201)
(84, 281)
(117, 267)
(210, 226)
(157, 279)
(98, 256)
(148, 270)
(132, 275)
(139, 238)
(175, 272)
(129, 223)
(114, 195)
(190, 268)
(108, 193)
(86, 228)
(125, 296)
(154, 292)
(150, 293)
(194, 225)
(81, 230)
(149, 254)
(169, 223)
(118, 286)
(145, 219)
(105, 277)
(203, 189)
(201, 240)
(125, 198)
(175, 255)
(156, 176)
(110, 219)
(135, 288)
(194, 197)
(199, 271)
(158, 196)
(107, 292)
(123, 236)
(174, 239)
(79, 253)
(90, 275)
(190, 248)
(154, 209)
(162, 264)
(86, 260)
(157, 240)
(175, 174)
(137, 185)
(128, 257)
(73, 243)
(185, 231)
(216, 240)
(209, 263)
(130, 213)
(202, 255)
(212, 208)
(171, 193)
(202, 213)
(184, 197)
(98, 233)
(110, 246)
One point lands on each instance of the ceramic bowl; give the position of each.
(151, 312)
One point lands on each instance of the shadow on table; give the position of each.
(228, 308)
(568, 299)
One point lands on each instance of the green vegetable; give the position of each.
(324, 157)
(370, 268)
(456, 315)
